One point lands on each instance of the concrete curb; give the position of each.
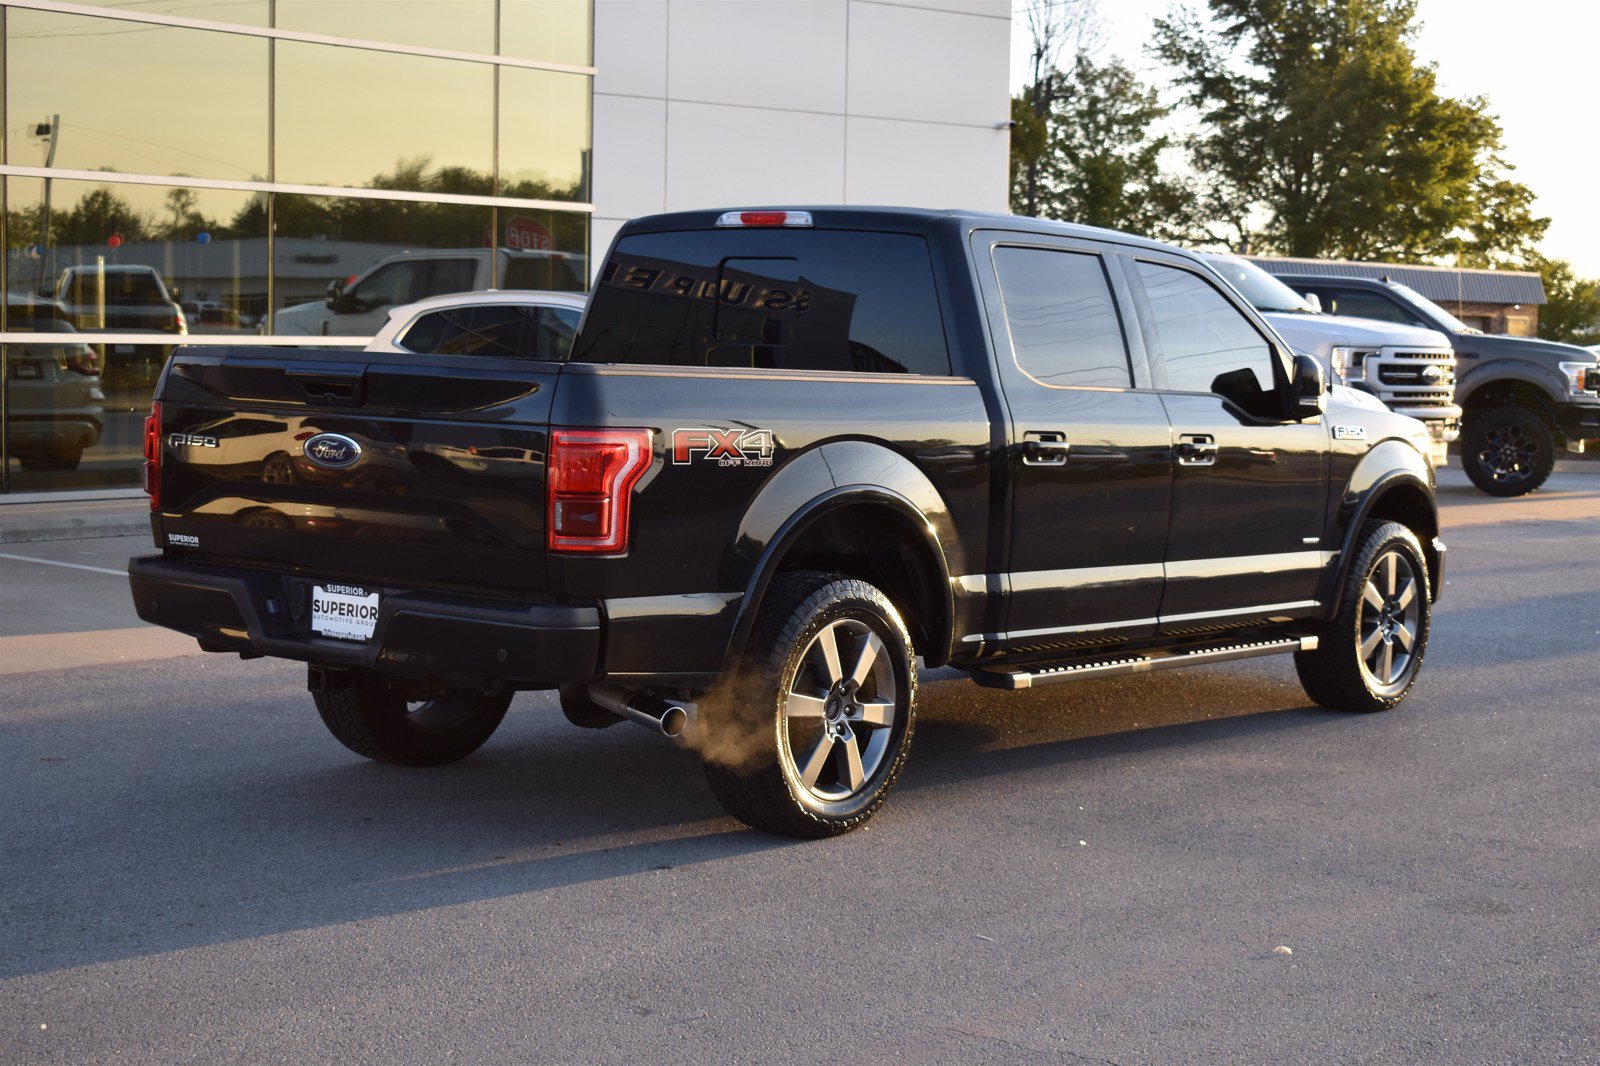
(72, 521)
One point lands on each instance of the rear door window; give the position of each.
(1358, 304)
(1062, 318)
(780, 299)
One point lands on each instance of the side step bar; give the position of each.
(1033, 675)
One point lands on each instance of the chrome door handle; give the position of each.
(1196, 449)
(1045, 448)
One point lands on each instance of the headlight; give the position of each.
(1581, 377)
(1347, 364)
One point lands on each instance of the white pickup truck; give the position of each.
(360, 307)
(1411, 370)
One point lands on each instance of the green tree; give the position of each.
(1104, 164)
(1322, 135)
(1572, 304)
(97, 217)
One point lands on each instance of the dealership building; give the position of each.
(233, 159)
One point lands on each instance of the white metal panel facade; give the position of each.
(717, 103)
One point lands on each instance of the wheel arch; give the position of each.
(1522, 385)
(1397, 495)
(880, 531)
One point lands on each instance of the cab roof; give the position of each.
(894, 219)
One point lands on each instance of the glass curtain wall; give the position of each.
(262, 171)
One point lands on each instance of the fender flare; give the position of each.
(1405, 474)
(1504, 371)
(822, 500)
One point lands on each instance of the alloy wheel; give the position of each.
(839, 712)
(1508, 453)
(1390, 622)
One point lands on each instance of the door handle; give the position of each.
(1196, 449)
(1045, 448)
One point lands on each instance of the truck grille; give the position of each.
(1412, 378)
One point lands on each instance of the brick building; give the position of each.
(1495, 301)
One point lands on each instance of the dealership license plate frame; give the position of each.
(345, 612)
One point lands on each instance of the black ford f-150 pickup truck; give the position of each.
(793, 452)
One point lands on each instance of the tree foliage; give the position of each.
(1083, 140)
(1572, 304)
(1321, 134)
(1104, 164)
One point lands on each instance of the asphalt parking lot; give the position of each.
(191, 869)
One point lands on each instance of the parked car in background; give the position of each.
(529, 325)
(1521, 398)
(122, 299)
(212, 316)
(54, 405)
(1411, 369)
(357, 308)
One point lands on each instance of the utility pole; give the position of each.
(50, 132)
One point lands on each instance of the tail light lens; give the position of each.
(83, 361)
(592, 473)
(152, 456)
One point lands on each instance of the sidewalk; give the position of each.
(37, 516)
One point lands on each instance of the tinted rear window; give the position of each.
(782, 299)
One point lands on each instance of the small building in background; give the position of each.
(1495, 301)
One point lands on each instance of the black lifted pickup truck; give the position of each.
(794, 451)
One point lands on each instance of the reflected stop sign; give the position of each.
(528, 234)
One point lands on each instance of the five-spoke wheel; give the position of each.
(1367, 657)
(811, 734)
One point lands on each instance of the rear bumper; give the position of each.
(418, 634)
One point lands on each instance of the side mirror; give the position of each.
(1307, 388)
(335, 294)
(1314, 300)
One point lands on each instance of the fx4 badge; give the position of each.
(1349, 432)
(725, 447)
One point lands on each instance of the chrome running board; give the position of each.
(1033, 675)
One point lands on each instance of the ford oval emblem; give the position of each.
(332, 450)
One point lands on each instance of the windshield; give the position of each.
(1427, 306)
(1265, 292)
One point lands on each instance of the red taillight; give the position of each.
(152, 456)
(592, 473)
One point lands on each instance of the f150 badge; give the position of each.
(1349, 432)
(725, 447)
(192, 440)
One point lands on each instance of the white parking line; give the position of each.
(72, 566)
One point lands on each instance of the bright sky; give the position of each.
(1535, 61)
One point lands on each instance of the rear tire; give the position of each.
(1507, 450)
(813, 731)
(373, 719)
(1368, 657)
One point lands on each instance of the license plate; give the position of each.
(28, 370)
(344, 612)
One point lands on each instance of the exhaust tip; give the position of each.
(674, 721)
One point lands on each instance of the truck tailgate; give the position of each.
(367, 467)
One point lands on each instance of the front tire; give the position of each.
(1507, 450)
(813, 731)
(374, 719)
(1368, 657)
